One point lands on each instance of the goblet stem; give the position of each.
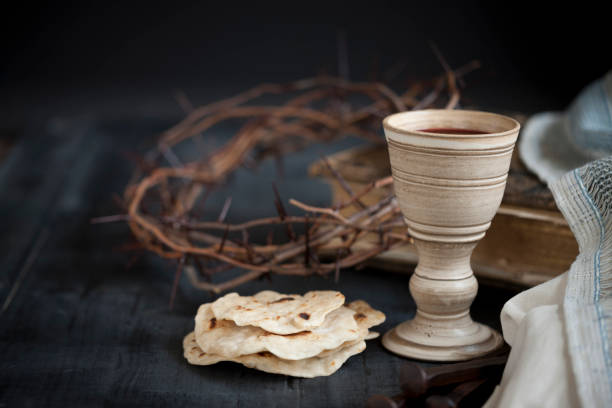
(443, 287)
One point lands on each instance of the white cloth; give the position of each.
(561, 331)
(538, 372)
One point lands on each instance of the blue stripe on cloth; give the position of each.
(597, 281)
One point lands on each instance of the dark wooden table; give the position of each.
(79, 328)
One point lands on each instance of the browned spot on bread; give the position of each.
(238, 307)
(283, 299)
(297, 334)
(248, 310)
(359, 316)
(194, 348)
(202, 354)
(277, 317)
(332, 363)
(304, 316)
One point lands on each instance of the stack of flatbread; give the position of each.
(302, 336)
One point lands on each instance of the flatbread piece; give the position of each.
(278, 313)
(224, 337)
(306, 368)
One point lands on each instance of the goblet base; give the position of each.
(407, 340)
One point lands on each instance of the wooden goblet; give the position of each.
(449, 173)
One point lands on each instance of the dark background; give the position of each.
(127, 58)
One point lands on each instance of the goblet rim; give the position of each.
(514, 129)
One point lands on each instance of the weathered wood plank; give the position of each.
(84, 331)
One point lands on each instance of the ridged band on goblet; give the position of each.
(449, 187)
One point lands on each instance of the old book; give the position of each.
(528, 243)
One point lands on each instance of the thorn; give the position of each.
(443, 61)
(439, 56)
(343, 64)
(307, 242)
(170, 156)
(282, 213)
(183, 100)
(109, 218)
(223, 239)
(224, 211)
(342, 181)
(198, 208)
(278, 203)
(245, 243)
(177, 277)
